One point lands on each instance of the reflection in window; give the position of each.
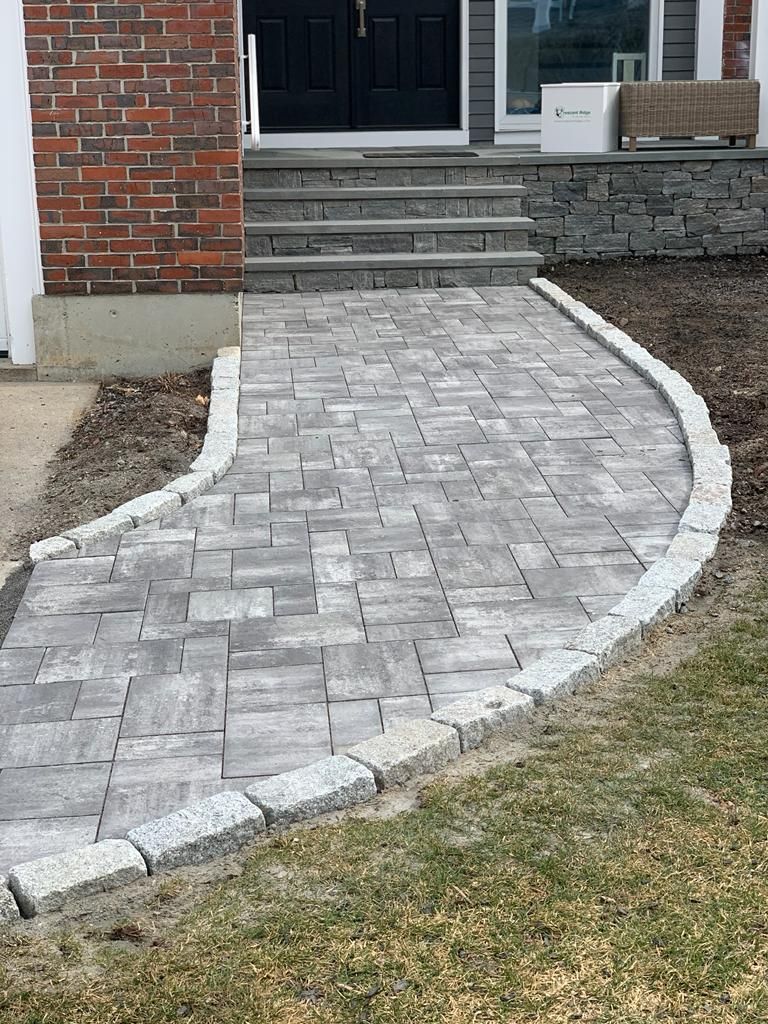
(552, 41)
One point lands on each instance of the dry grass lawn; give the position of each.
(618, 873)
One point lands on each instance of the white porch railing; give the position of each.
(249, 79)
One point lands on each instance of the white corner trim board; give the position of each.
(217, 455)
(223, 823)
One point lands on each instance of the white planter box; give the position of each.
(580, 118)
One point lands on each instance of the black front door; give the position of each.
(337, 64)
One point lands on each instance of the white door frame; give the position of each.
(5, 330)
(20, 263)
(758, 65)
(385, 139)
(525, 129)
(710, 16)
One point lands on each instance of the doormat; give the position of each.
(423, 154)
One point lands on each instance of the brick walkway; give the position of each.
(432, 488)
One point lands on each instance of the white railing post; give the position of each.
(253, 93)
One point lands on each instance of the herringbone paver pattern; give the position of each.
(432, 488)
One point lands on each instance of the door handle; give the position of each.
(361, 7)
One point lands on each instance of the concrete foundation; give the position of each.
(98, 336)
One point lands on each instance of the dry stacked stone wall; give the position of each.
(675, 208)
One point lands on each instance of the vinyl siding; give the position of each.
(679, 56)
(481, 70)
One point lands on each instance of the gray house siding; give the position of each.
(481, 70)
(679, 54)
(678, 58)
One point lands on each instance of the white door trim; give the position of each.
(19, 227)
(524, 129)
(385, 139)
(354, 140)
(710, 16)
(5, 330)
(656, 42)
(758, 65)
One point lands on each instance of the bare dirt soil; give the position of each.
(137, 435)
(708, 319)
(36, 420)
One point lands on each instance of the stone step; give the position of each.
(309, 239)
(347, 173)
(350, 203)
(412, 156)
(387, 192)
(389, 270)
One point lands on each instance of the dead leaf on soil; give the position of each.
(123, 391)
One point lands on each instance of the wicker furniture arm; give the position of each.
(686, 109)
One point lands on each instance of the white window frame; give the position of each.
(758, 65)
(710, 16)
(525, 129)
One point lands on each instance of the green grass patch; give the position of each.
(617, 874)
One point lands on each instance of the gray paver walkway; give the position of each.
(432, 488)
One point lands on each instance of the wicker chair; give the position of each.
(687, 109)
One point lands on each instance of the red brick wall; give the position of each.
(736, 38)
(136, 124)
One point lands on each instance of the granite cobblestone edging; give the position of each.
(217, 455)
(226, 821)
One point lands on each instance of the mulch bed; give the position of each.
(708, 319)
(136, 437)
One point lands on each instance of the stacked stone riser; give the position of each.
(401, 241)
(371, 176)
(716, 205)
(381, 209)
(322, 227)
(428, 277)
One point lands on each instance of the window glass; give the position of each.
(553, 41)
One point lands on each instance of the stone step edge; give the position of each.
(392, 261)
(224, 823)
(402, 226)
(516, 159)
(217, 455)
(344, 193)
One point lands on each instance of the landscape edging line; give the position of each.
(215, 458)
(420, 746)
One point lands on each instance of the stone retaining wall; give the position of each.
(715, 202)
(674, 208)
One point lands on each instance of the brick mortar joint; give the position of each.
(206, 41)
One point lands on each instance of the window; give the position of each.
(552, 41)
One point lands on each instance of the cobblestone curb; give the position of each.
(43, 885)
(223, 823)
(217, 455)
(669, 583)
(210, 828)
(9, 908)
(330, 785)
